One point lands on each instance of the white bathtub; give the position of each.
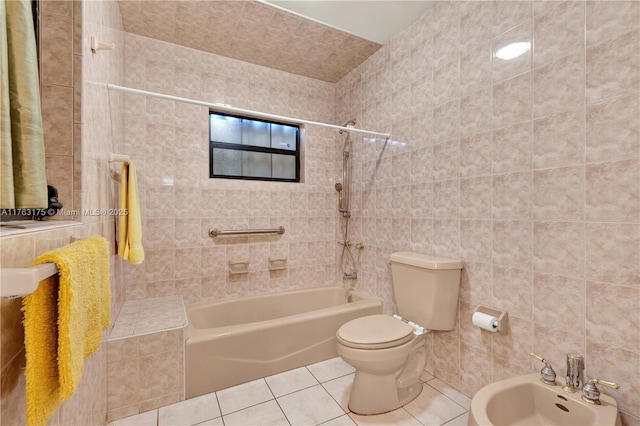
(239, 340)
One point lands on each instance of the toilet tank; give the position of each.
(426, 288)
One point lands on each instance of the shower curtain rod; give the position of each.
(230, 109)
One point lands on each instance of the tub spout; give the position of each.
(351, 276)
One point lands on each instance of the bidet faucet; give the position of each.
(575, 368)
(591, 393)
(547, 375)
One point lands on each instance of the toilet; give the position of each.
(388, 352)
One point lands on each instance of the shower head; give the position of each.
(338, 186)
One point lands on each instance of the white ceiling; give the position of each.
(377, 21)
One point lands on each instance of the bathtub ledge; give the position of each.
(148, 316)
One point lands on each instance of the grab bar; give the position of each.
(214, 232)
(18, 282)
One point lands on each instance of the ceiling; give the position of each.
(377, 21)
(264, 34)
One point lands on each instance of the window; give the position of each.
(247, 148)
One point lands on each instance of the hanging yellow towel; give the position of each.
(130, 225)
(63, 323)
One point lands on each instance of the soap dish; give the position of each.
(277, 263)
(238, 267)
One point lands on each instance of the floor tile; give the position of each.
(432, 407)
(190, 411)
(243, 396)
(290, 381)
(302, 401)
(459, 421)
(425, 377)
(311, 406)
(453, 394)
(330, 369)
(213, 422)
(149, 418)
(340, 390)
(344, 420)
(395, 417)
(266, 414)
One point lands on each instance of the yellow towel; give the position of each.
(130, 225)
(63, 323)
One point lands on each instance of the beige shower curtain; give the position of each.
(22, 168)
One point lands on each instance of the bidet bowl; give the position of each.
(525, 400)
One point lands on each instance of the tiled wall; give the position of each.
(64, 125)
(145, 368)
(88, 404)
(168, 139)
(145, 372)
(528, 170)
(146, 356)
(101, 124)
(60, 83)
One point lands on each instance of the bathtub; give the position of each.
(238, 340)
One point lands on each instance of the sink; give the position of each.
(525, 400)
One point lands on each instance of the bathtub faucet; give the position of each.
(351, 276)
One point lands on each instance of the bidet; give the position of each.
(525, 400)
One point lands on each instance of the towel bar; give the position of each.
(213, 232)
(119, 158)
(17, 282)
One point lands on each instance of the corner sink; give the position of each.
(525, 400)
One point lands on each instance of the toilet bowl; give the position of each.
(388, 353)
(388, 357)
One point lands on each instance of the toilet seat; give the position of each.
(375, 332)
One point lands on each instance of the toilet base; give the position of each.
(385, 379)
(386, 398)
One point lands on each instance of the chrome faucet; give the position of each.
(575, 368)
(547, 375)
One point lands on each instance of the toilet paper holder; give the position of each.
(502, 316)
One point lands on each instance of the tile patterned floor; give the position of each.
(313, 395)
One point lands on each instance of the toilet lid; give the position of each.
(374, 332)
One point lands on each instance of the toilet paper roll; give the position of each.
(485, 321)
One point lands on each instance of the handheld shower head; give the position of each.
(339, 187)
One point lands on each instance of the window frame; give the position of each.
(252, 148)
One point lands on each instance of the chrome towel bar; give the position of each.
(214, 232)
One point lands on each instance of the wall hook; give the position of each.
(100, 45)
